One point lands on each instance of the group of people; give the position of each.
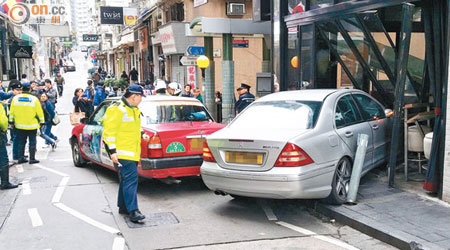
(28, 107)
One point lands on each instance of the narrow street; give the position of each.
(60, 206)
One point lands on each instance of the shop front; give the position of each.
(396, 50)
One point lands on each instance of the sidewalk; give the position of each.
(397, 217)
(7, 199)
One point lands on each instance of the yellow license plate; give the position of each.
(243, 158)
(196, 144)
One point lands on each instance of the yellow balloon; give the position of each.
(203, 62)
(294, 62)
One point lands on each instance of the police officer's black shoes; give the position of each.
(122, 211)
(32, 156)
(8, 186)
(5, 179)
(136, 216)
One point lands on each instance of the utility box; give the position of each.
(263, 83)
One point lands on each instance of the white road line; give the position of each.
(62, 160)
(36, 220)
(19, 168)
(269, 213)
(119, 243)
(51, 170)
(26, 188)
(60, 189)
(86, 219)
(320, 237)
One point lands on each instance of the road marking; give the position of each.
(51, 170)
(19, 168)
(60, 189)
(36, 220)
(26, 188)
(268, 211)
(314, 235)
(62, 160)
(119, 243)
(86, 219)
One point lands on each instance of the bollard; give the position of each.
(358, 164)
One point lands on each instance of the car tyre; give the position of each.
(78, 160)
(340, 183)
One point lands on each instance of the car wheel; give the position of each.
(78, 160)
(340, 183)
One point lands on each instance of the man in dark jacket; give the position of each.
(134, 75)
(100, 94)
(90, 91)
(245, 98)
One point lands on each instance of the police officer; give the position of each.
(122, 134)
(4, 165)
(27, 116)
(245, 98)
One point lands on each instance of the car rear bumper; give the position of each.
(171, 162)
(307, 182)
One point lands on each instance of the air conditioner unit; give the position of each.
(236, 9)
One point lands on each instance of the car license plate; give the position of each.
(243, 157)
(196, 144)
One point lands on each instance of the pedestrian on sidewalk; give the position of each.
(100, 93)
(4, 162)
(51, 92)
(134, 76)
(187, 91)
(198, 95)
(24, 78)
(124, 76)
(123, 143)
(90, 91)
(84, 105)
(34, 88)
(77, 96)
(60, 84)
(49, 113)
(27, 117)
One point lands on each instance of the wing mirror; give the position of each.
(84, 120)
(389, 112)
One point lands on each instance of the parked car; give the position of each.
(69, 66)
(296, 145)
(177, 127)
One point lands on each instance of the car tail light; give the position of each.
(207, 154)
(155, 147)
(293, 156)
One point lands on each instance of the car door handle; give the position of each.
(375, 127)
(348, 134)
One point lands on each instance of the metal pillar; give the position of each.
(266, 57)
(227, 79)
(401, 70)
(209, 80)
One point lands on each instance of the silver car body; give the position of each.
(325, 143)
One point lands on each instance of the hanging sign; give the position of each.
(111, 15)
(21, 51)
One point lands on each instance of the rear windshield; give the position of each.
(288, 115)
(170, 112)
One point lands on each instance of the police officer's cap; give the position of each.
(15, 84)
(26, 86)
(135, 89)
(243, 86)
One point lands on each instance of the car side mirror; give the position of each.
(389, 112)
(84, 120)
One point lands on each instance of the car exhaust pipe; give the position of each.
(219, 192)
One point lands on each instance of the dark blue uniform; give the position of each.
(244, 101)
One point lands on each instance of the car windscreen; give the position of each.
(173, 111)
(287, 115)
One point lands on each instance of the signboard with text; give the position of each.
(18, 51)
(90, 38)
(191, 76)
(167, 40)
(240, 43)
(111, 15)
(195, 51)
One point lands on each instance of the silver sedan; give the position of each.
(296, 145)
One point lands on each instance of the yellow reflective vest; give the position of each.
(122, 130)
(3, 119)
(26, 112)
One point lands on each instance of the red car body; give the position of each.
(175, 148)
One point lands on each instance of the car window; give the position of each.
(173, 111)
(371, 109)
(346, 112)
(97, 118)
(281, 115)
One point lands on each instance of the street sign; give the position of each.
(90, 38)
(195, 51)
(189, 60)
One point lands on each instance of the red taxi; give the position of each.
(177, 127)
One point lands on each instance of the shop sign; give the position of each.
(101, 57)
(167, 40)
(143, 38)
(90, 38)
(111, 15)
(191, 76)
(130, 16)
(199, 2)
(240, 43)
(21, 51)
(155, 38)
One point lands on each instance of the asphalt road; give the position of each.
(62, 207)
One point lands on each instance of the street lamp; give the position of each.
(294, 62)
(203, 63)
